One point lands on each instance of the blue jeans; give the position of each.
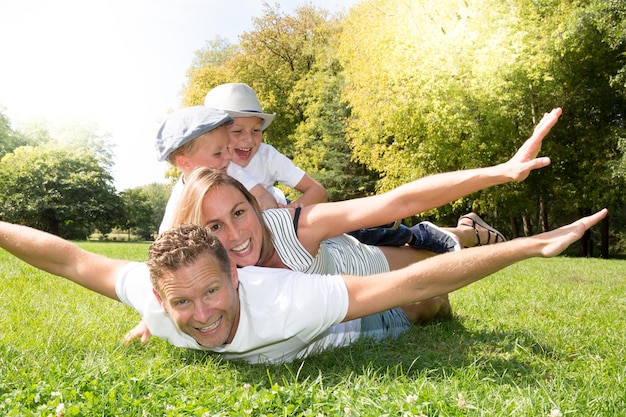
(385, 325)
(424, 235)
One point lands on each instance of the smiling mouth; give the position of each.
(210, 327)
(243, 248)
(243, 153)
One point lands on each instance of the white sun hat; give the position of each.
(238, 100)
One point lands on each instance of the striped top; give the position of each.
(342, 254)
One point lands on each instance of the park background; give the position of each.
(385, 93)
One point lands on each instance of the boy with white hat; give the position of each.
(260, 160)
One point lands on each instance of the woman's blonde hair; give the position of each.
(200, 181)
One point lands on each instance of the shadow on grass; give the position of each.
(437, 350)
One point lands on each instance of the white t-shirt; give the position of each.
(284, 315)
(233, 170)
(268, 166)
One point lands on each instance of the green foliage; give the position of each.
(144, 208)
(157, 195)
(320, 138)
(282, 51)
(289, 60)
(425, 85)
(9, 139)
(438, 86)
(138, 214)
(209, 68)
(88, 136)
(538, 336)
(65, 192)
(71, 134)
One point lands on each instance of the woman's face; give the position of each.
(232, 219)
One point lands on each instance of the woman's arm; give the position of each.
(57, 256)
(320, 221)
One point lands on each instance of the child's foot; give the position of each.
(428, 236)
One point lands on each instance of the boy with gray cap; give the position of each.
(195, 137)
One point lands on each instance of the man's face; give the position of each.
(245, 135)
(211, 152)
(203, 301)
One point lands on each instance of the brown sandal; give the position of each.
(476, 220)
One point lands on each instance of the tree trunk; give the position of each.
(586, 245)
(514, 227)
(544, 215)
(604, 242)
(528, 228)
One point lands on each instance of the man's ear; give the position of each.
(160, 300)
(234, 274)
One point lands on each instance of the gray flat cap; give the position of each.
(185, 125)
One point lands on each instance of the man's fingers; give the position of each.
(592, 220)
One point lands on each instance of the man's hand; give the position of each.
(557, 240)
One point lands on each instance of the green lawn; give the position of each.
(542, 338)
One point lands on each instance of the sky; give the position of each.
(120, 64)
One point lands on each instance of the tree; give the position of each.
(208, 69)
(9, 139)
(435, 86)
(71, 134)
(320, 139)
(156, 195)
(65, 192)
(138, 213)
(290, 61)
(281, 51)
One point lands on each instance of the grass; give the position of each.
(543, 338)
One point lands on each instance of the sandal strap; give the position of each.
(490, 230)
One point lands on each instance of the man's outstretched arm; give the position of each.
(450, 271)
(57, 256)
